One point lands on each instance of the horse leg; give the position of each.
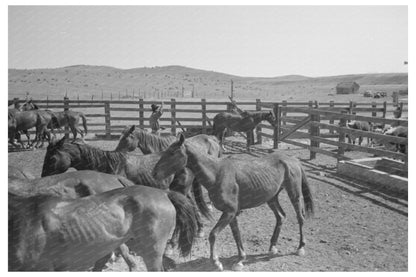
(248, 134)
(153, 260)
(280, 215)
(224, 220)
(128, 258)
(100, 264)
(222, 138)
(295, 195)
(74, 133)
(238, 266)
(200, 233)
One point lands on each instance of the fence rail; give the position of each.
(317, 122)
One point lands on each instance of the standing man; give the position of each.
(154, 118)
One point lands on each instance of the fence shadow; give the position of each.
(205, 264)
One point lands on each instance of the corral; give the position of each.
(357, 226)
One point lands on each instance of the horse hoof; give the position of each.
(300, 252)
(273, 250)
(238, 266)
(200, 234)
(169, 251)
(219, 266)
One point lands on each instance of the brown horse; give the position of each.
(236, 183)
(244, 122)
(131, 138)
(51, 233)
(72, 185)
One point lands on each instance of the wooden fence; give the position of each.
(319, 123)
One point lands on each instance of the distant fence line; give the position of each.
(307, 120)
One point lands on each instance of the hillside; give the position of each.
(86, 81)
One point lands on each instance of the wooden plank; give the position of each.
(296, 127)
(266, 135)
(379, 152)
(94, 115)
(173, 116)
(349, 117)
(380, 137)
(316, 149)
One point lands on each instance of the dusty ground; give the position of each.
(356, 227)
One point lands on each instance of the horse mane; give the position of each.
(97, 158)
(148, 141)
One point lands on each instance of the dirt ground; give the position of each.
(356, 227)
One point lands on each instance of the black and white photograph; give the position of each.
(207, 137)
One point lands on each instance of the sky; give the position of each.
(257, 41)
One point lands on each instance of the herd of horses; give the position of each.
(122, 201)
(21, 118)
(143, 203)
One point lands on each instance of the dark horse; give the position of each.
(238, 183)
(64, 118)
(245, 122)
(62, 155)
(55, 234)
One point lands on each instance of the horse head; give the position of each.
(172, 160)
(57, 160)
(29, 105)
(270, 117)
(127, 141)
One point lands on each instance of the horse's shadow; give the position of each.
(205, 264)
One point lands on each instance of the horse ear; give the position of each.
(132, 128)
(61, 141)
(181, 139)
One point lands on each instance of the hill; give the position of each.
(85, 81)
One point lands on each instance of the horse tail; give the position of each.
(307, 195)
(84, 122)
(199, 199)
(186, 222)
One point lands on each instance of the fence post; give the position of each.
(331, 121)
(276, 130)
(141, 114)
(173, 116)
(204, 115)
(258, 129)
(341, 150)
(107, 119)
(374, 107)
(229, 109)
(66, 108)
(284, 113)
(384, 109)
(47, 102)
(314, 131)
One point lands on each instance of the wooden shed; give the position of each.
(347, 87)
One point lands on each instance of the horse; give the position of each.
(148, 143)
(62, 155)
(62, 119)
(359, 125)
(72, 185)
(132, 137)
(238, 183)
(25, 120)
(398, 131)
(244, 122)
(55, 234)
